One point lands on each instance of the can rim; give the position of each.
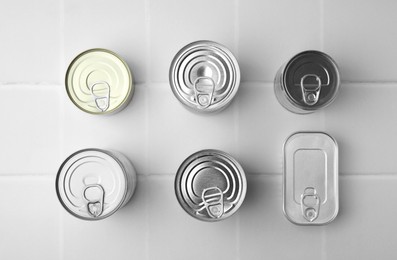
(131, 85)
(225, 101)
(193, 157)
(284, 80)
(59, 194)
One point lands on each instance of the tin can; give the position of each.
(309, 81)
(92, 184)
(210, 185)
(204, 76)
(98, 81)
(310, 179)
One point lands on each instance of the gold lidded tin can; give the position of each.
(307, 82)
(204, 76)
(93, 184)
(210, 185)
(98, 81)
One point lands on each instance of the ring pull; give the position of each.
(310, 204)
(204, 88)
(310, 94)
(213, 202)
(102, 102)
(95, 206)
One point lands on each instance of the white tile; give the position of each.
(264, 125)
(176, 132)
(271, 32)
(124, 131)
(120, 236)
(362, 121)
(30, 137)
(118, 26)
(366, 226)
(174, 24)
(264, 230)
(176, 235)
(30, 41)
(361, 40)
(29, 218)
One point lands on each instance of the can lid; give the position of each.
(310, 175)
(91, 184)
(98, 81)
(311, 80)
(210, 185)
(204, 76)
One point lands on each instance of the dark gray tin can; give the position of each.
(309, 81)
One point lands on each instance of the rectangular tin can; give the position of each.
(310, 178)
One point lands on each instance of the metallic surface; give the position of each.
(310, 180)
(210, 185)
(309, 81)
(93, 184)
(204, 76)
(98, 81)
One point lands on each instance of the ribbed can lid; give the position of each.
(210, 185)
(93, 184)
(204, 76)
(98, 81)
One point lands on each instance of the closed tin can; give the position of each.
(92, 184)
(309, 81)
(98, 81)
(204, 76)
(310, 189)
(210, 185)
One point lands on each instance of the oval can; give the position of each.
(307, 82)
(210, 185)
(98, 81)
(310, 178)
(92, 184)
(204, 76)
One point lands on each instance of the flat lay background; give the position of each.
(40, 127)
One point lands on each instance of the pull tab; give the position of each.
(310, 94)
(101, 102)
(213, 202)
(204, 88)
(310, 204)
(94, 207)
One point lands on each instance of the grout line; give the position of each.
(236, 111)
(148, 41)
(324, 244)
(30, 83)
(322, 25)
(236, 28)
(61, 125)
(147, 225)
(238, 251)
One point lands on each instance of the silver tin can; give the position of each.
(204, 76)
(210, 185)
(92, 184)
(98, 81)
(310, 179)
(309, 81)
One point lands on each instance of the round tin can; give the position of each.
(309, 81)
(92, 184)
(98, 81)
(204, 76)
(210, 185)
